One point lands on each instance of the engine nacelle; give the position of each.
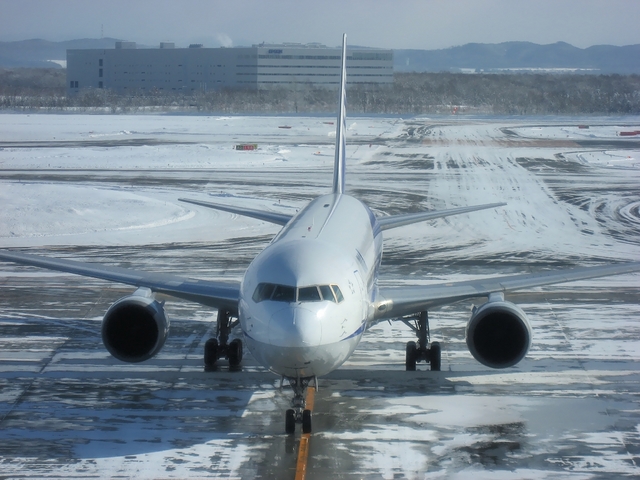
(135, 327)
(498, 333)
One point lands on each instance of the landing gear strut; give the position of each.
(220, 347)
(420, 350)
(298, 413)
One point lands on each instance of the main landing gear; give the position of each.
(420, 350)
(298, 413)
(219, 347)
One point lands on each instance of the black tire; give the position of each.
(234, 352)
(290, 421)
(410, 358)
(240, 349)
(210, 353)
(306, 421)
(435, 356)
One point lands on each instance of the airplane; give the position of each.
(306, 300)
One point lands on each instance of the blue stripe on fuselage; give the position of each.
(356, 333)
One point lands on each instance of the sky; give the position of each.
(396, 24)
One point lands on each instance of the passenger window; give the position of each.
(338, 293)
(327, 293)
(308, 294)
(263, 292)
(284, 293)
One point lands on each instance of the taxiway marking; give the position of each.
(303, 449)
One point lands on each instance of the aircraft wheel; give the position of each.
(290, 421)
(410, 358)
(210, 353)
(235, 352)
(306, 421)
(435, 356)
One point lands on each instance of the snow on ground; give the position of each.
(577, 131)
(40, 213)
(47, 128)
(467, 174)
(49, 214)
(53, 206)
(609, 158)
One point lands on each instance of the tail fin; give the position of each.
(341, 125)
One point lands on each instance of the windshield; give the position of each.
(286, 293)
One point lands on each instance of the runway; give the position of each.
(568, 410)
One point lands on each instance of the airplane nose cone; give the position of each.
(295, 326)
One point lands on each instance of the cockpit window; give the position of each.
(327, 293)
(285, 293)
(263, 292)
(338, 293)
(309, 294)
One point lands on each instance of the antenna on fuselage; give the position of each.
(341, 125)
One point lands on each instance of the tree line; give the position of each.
(28, 89)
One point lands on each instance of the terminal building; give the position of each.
(128, 69)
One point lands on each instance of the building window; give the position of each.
(100, 73)
(100, 85)
(100, 62)
(73, 84)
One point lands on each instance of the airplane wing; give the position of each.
(395, 221)
(393, 302)
(205, 292)
(271, 217)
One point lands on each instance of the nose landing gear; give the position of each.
(220, 347)
(299, 413)
(420, 350)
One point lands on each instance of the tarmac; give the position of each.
(568, 410)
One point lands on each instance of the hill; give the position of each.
(470, 58)
(521, 56)
(37, 53)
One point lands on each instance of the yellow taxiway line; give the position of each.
(303, 449)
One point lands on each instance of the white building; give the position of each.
(127, 69)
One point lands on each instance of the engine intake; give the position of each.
(498, 333)
(135, 327)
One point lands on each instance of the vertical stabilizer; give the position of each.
(341, 125)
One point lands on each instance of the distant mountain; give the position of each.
(38, 53)
(521, 56)
(508, 56)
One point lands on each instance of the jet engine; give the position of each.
(498, 333)
(135, 327)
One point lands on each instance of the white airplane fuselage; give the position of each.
(333, 241)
